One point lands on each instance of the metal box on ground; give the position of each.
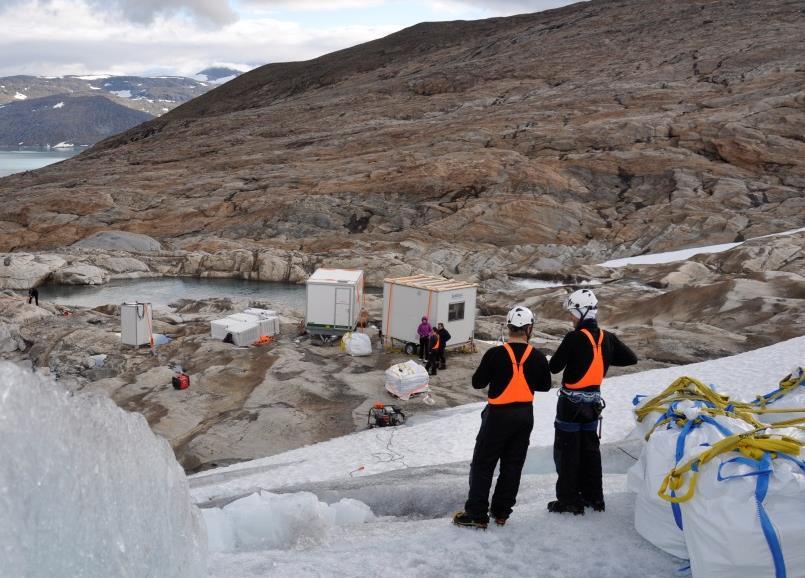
(334, 300)
(136, 323)
(407, 299)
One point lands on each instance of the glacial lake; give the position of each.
(163, 291)
(19, 160)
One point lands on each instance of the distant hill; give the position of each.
(154, 95)
(601, 129)
(78, 120)
(218, 74)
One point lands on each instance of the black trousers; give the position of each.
(432, 366)
(577, 454)
(424, 344)
(442, 361)
(504, 437)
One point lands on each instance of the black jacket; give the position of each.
(575, 354)
(444, 336)
(496, 371)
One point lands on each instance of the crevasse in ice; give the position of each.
(87, 490)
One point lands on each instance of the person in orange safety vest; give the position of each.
(513, 372)
(584, 355)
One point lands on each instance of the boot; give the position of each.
(467, 521)
(558, 507)
(596, 505)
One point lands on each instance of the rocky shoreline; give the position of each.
(250, 402)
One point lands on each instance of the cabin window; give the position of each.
(455, 311)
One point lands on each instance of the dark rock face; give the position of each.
(601, 129)
(78, 120)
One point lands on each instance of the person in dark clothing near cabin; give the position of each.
(513, 371)
(423, 331)
(434, 346)
(444, 337)
(33, 295)
(585, 355)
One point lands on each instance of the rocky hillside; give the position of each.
(78, 120)
(154, 95)
(604, 128)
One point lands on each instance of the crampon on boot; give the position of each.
(467, 521)
(558, 507)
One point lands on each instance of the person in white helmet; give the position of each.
(513, 372)
(584, 356)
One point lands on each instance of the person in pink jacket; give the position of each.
(423, 331)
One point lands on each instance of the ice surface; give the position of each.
(279, 521)
(86, 490)
(683, 254)
(415, 476)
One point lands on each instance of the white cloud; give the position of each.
(71, 37)
(497, 7)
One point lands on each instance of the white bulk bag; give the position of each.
(733, 530)
(781, 399)
(357, 344)
(658, 521)
(406, 379)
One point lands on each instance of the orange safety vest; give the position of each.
(595, 373)
(437, 344)
(517, 389)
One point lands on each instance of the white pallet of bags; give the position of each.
(406, 379)
(735, 529)
(269, 316)
(793, 398)
(266, 325)
(656, 520)
(244, 332)
(357, 344)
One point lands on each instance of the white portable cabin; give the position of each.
(136, 323)
(243, 331)
(334, 300)
(407, 299)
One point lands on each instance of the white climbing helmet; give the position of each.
(520, 316)
(581, 302)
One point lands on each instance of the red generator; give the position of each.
(181, 381)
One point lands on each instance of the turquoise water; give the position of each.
(17, 161)
(164, 291)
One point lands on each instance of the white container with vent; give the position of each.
(407, 299)
(334, 301)
(136, 324)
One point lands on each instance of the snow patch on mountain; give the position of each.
(59, 105)
(20, 96)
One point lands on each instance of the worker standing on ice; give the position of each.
(444, 337)
(513, 371)
(423, 330)
(585, 355)
(434, 348)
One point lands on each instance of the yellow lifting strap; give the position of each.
(751, 444)
(681, 420)
(683, 388)
(788, 383)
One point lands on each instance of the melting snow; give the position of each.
(94, 87)
(20, 96)
(683, 254)
(58, 105)
(121, 93)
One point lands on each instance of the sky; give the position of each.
(167, 37)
